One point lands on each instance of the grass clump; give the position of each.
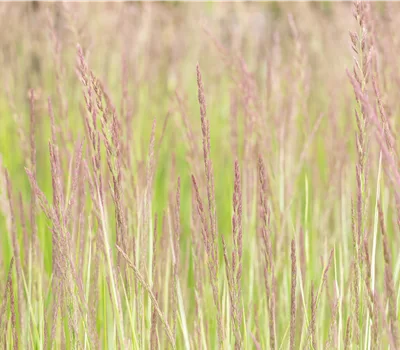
(136, 215)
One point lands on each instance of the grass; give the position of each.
(199, 176)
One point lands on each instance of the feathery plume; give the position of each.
(13, 316)
(389, 284)
(3, 305)
(313, 318)
(32, 166)
(20, 298)
(233, 268)
(212, 250)
(347, 339)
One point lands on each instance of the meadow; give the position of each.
(199, 175)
